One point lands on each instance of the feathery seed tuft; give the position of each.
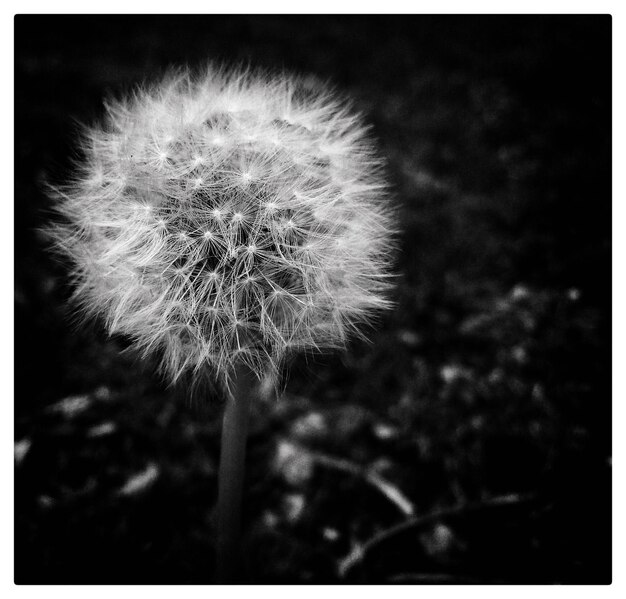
(229, 217)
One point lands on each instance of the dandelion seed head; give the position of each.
(229, 217)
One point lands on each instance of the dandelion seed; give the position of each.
(271, 207)
(294, 263)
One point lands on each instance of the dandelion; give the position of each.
(225, 221)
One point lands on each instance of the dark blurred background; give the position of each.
(469, 442)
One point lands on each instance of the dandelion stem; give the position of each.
(231, 473)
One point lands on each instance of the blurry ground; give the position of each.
(480, 413)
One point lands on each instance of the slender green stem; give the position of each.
(231, 473)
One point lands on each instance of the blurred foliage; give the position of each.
(485, 393)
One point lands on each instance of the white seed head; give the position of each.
(229, 217)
